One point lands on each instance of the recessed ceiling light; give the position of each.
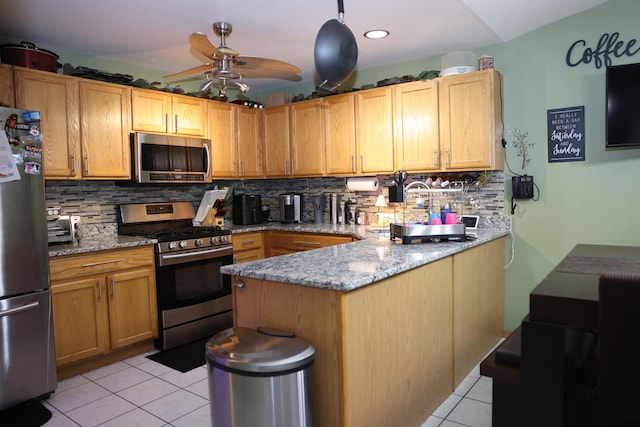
(376, 34)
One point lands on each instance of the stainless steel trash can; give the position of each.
(259, 378)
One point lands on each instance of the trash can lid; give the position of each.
(264, 350)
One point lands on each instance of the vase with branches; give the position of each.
(522, 145)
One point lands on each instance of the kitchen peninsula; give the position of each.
(395, 327)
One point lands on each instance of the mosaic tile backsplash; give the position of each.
(96, 201)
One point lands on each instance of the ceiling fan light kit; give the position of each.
(227, 66)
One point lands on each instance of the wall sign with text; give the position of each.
(609, 45)
(565, 134)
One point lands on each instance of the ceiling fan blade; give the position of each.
(201, 43)
(252, 63)
(199, 69)
(270, 74)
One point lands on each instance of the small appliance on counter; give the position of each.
(247, 209)
(291, 208)
(61, 228)
(421, 233)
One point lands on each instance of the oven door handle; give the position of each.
(166, 259)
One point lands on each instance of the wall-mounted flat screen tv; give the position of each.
(623, 105)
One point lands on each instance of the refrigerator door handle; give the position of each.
(24, 307)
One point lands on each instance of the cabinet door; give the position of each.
(340, 134)
(470, 124)
(151, 110)
(307, 150)
(7, 94)
(56, 97)
(132, 307)
(276, 141)
(80, 319)
(105, 123)
(188, 115)
(416, 126)
(222, 131)
(374, 130)
(249, 142)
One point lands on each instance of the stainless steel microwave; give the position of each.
(163, 159)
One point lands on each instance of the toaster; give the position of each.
(63, 229)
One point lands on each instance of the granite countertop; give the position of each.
(352, 265)
(99, 243)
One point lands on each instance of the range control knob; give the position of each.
(198, 242)
(224, 239)
(215, 240)
(173, 245)
(183, 244)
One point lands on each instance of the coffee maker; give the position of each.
(247, 209)
(291, 208)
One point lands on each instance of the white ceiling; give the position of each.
(155, 33)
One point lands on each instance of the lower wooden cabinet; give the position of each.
(248, 247)
(285, 242)
(102, 302)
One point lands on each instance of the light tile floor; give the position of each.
(141, 392)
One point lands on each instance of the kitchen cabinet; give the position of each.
(340, 134)
(102, 302)
(285, 242)
(163, 112)
(222, 121)
(105, 125)
(307, 149)
(416, 128)
(56, 97)
(276, 132)
(249, 163)
(7, 95)
(248, 247)
(374, 130)
(471, 121)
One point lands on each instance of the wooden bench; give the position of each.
(503, 366)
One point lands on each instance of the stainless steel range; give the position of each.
(194, 298)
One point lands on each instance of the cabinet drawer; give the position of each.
(73, 266)
(303, 241)
(248, 255)
(245, 241)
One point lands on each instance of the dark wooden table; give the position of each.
(566, 299)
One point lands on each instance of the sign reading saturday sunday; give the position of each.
(565, 134)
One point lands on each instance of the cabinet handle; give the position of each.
(361, 163)
(86, 164)
(113, 287)
(447, 160)
(73, 164)
(93, 264)
(293, 167)
(248, 242)
(99, 290)
(166, 122)
(351, 166)
(435, 157)
(243, 169)
(239, 284)
(235, 168)
(285, 167)
(299, 242)
(176, 123)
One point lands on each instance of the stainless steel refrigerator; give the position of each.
(27, 357)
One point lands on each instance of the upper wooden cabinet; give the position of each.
(222, 123)
(415, 118)
(374, 130)
(471, 121)
(249, 162)
(276, 134)
(340, 134)
(105, 125)
(307, 156)
(56, 97)
(7, 95)
(163, 112)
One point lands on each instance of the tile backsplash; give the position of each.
(96, 201)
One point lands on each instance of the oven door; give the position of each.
(194, 279)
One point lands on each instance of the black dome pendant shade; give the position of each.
(335, 51)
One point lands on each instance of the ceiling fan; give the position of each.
(228, 68)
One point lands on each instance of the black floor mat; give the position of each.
(184, 358)
(28, 414)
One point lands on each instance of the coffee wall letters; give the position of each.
(608, 45)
